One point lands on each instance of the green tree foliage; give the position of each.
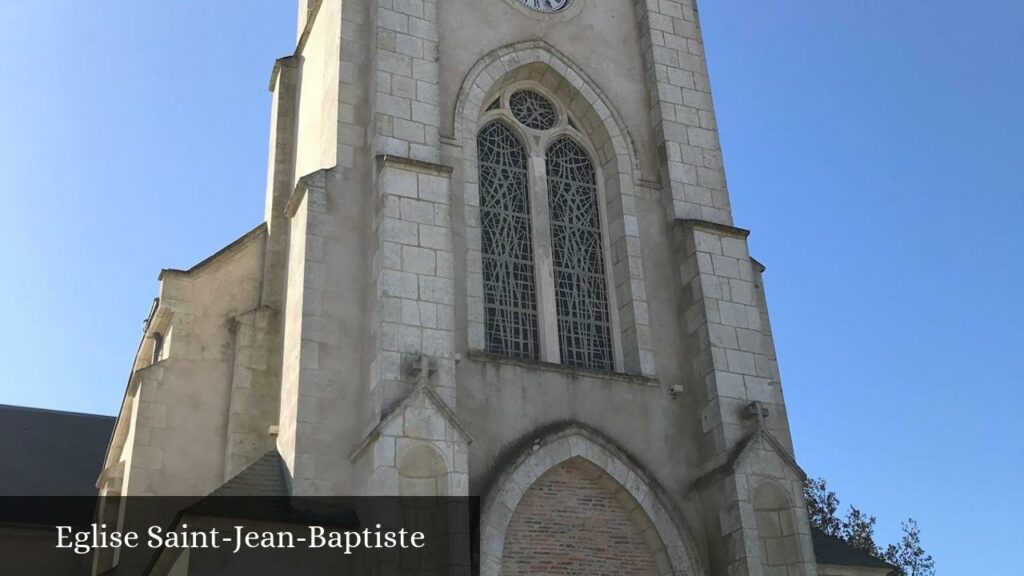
(822, 506)
(908, 556)
(858, 530)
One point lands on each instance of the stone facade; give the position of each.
(348, 331)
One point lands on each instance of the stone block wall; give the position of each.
(407, 114)
(253, 407)
(682, 113)
(323, 376)
(726, 337)
(414, 309)
(418, 450)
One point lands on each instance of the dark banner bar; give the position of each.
(73, 536)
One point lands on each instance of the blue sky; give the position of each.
(874, 148)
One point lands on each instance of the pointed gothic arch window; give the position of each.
(581, 289)
(510, 299)
(560, 311)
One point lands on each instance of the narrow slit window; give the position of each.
(510, 297)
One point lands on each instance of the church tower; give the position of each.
(498, 260)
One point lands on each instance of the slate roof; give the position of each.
(265, 477)
(260, 492)
(832, 550)
(51, 453)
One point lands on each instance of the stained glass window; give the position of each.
(580, 311)
(533, 110)
(581, 293)
(510, 293)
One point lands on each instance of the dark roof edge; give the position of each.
(851, 556)
(57, 412)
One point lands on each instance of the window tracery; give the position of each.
(581, 293)
(507, 243)
(564, 180)
(533, 110)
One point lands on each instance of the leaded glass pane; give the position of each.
(510, 294)
(581, 293)
(533, 110)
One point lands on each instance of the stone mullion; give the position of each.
(543, 260)
(476, 329)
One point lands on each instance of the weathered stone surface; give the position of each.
(349, 332)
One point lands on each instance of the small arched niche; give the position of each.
(776, 529)
(422, 472)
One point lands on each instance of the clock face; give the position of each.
(546, 5)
